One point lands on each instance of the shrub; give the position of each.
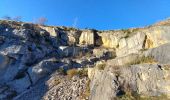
(127, 32)
(62, 71)
(82, 72)
(136, 96)
(116, 70)
(128, 94)
(41, 21)
(86, 93)
(101, 66)
(73, 72)
(142, 60)
(166, 67)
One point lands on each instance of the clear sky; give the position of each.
(98, 14)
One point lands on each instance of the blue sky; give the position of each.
(98, 14)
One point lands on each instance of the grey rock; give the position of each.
(160, 54)
(66, 51)
(42, 69)
(87, 38)
(144, 79)
(131, 44)
(20, 84)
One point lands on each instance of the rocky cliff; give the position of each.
(55, 63)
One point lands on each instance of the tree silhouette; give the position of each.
(41, 21)
(17, 18)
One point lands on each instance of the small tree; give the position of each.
(7, 17)
(17, 18)
(41, 20)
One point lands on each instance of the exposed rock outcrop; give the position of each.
(87, 38)
(144, 79)
(48, 62)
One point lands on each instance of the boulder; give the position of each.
(43, 68)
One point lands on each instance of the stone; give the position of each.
(87, 38)
(102, 52)
(109, 40)
(74, 88)
(73, 36)
(91, 72)
(34, 60)
(50, 30)
(2, 40)
(21, 84)
(160, 54)
(124, 60)
(43, 69)
(156, 36)
(66, 51)
(6, 93)
(144, 79)
(103, 86)
(131, 44)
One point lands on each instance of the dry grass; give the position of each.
(57, 81)
(135, 96)
(142, 60)
(86, 93)
(83, 73)
(101, 66)
(80, 73)
(81, 54)
(62, 71)
(128, 94)
(166, 67)
(72, 72)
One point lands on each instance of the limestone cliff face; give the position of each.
(131, 41)
(48, 62)
(87, 37)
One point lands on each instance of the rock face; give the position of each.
(145, 79)
(131, 45)
(110, 39)
(47, 62)
(160, 54)
(87, 38)
(69, 51)
(50, 30)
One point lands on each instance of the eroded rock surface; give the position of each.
(50, 63)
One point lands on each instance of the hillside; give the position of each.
(60, 63)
